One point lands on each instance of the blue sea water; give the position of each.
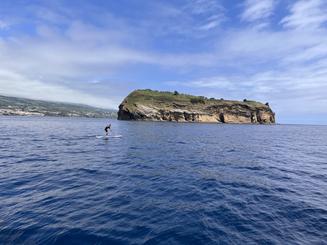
(162, 183)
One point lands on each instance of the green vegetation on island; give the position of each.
(166, 98)
(174, 106)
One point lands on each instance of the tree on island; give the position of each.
(176, 92)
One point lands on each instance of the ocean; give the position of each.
(161, 183)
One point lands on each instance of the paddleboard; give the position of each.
(108, 137)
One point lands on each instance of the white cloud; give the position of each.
(193, 18)
(69, 56)
(210, 25)
(53, 64)
(65, 61)
(210, 12)
(257, 9)
(306, 14)
(293, 91)
(207, 82)
(256, 50)
(3, 25)
(15, 84)
(288, 68)
(94, 82)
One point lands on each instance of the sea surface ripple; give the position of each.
(162, 183)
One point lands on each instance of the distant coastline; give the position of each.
(14, 106)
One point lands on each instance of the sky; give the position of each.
(96, 52)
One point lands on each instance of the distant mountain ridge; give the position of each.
(15, 106)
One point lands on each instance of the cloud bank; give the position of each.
(269, 50)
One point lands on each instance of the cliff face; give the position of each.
(151, 105)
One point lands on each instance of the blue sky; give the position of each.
(96, 52)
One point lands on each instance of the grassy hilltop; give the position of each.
(168, 99)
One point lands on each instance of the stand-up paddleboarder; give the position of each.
(107, 129)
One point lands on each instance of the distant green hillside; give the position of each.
(28, 107)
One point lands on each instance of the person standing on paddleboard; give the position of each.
(107, 129)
